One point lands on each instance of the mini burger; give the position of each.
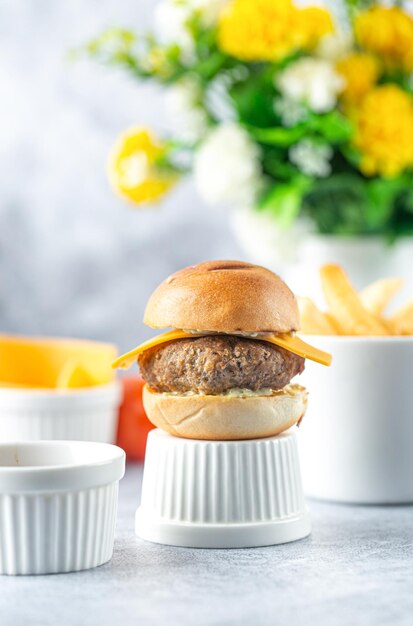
(225, 370)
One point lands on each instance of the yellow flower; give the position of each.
(387, 32)
(314, 23)
(384, 131)
(134, 167)
(269, 30)
(360, 71)
(157, 62)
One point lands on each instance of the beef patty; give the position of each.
(217, 363)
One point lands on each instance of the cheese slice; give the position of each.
(48, 363)
(75, 375)
(292, 343)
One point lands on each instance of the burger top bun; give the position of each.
(226, 417)
(223, 296)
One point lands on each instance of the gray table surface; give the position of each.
(355, 568)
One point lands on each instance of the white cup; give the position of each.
(58, 504)
(86, 414)
(356, 440)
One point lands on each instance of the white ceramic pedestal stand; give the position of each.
(222, 494)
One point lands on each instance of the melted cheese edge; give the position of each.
(292, 343)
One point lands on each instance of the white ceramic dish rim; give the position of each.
(182, 441)
(66, 477)
(359, 338)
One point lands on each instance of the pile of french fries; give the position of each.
(355, 313)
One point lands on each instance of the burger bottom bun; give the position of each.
(224, 417)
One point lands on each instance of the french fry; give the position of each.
(392, 328)
(352, 313)
(313, 321)
(333, 323)
(376, 297)
(402, 319)
(345, 305)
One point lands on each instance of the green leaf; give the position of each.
(333, 127)
(407, 200)
(253, 97)
(111, 45)
(284, 201)
(403, 227)
(381, 196)
(209, 67)
(277, 136)
(337, 204)
(351, 155)
(275, 165)
(349, 204)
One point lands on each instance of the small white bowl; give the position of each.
(58, 504)
(222, 494)
(356, 439)
(85, 414)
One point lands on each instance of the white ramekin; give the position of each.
(86, 414)
(58, 504)
(221, 494)
(356, 439)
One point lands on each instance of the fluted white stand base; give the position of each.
(223, 535)
(222, 494)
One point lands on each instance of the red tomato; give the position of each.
(133, 426)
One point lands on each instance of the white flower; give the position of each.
(313, 82)
(209, 10)
(312, 159)
(291, 112)
(171, 18)
(183, 101)
(172, 22)
(227, 167)
(335, 46)
(218, 100)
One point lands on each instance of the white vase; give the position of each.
(298, 253)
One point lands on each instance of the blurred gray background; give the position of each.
(74, 259)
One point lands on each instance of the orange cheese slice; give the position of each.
(75, 375)
(292, 343)
(48, 363)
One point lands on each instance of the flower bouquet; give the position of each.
(284, 109)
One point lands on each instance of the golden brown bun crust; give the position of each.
(224, 296)
(226, 417)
